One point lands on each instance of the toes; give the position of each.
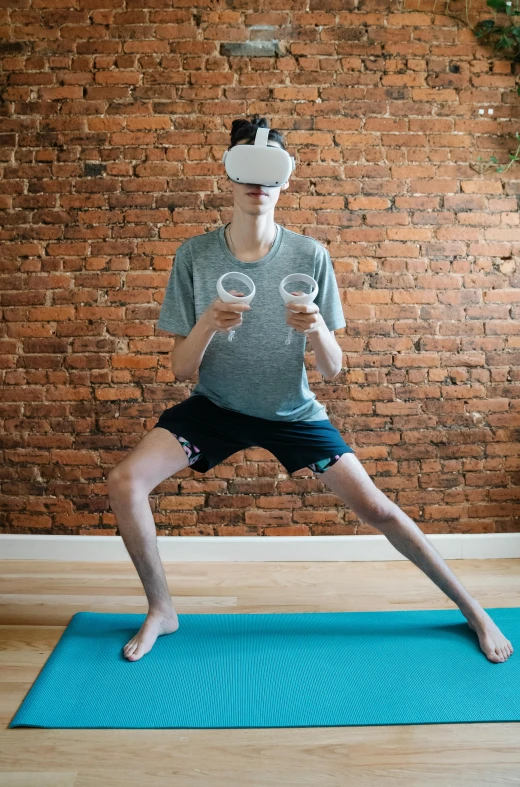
(130, 647)
(494, 652)
(139, 651)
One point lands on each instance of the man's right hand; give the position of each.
(222, 316)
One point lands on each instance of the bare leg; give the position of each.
(158, 456)
(349, 480)
(138, 532)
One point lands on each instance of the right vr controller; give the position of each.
(288, 297)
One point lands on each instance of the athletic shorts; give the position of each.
(209, 434)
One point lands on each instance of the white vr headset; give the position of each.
(259, 164)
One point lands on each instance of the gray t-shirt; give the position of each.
(256, 373)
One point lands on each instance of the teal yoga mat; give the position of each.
(277, 670)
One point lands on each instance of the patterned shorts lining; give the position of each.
(193, 453)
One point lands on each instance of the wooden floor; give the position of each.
(39, 598)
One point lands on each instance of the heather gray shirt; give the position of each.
(256, 373)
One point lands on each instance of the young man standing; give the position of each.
(254, 391)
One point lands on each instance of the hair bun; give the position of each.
(258, 121)
(239, 124)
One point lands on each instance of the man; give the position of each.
(254, 391)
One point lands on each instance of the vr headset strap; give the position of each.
(262, 135)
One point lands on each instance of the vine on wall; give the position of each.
(502, 33)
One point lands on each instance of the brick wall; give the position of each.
(114, 117)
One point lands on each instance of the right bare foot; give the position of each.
(156, 624)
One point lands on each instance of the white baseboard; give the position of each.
(254, 548)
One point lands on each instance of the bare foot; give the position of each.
(156, 624)
(492, 642)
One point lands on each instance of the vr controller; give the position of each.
(288, 297)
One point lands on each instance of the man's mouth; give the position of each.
(257, 193)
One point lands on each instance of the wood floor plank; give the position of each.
(39, 779)
(57, 609)
(260, 774)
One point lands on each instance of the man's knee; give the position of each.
(382, 516)
(121, 481)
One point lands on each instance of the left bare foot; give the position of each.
(492, 642)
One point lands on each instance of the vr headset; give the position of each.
(259, 164)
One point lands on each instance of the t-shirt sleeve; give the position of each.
(328, 299)
(178, 307)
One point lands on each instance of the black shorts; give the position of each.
(209, 434)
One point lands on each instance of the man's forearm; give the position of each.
(329, 356)
(187, 358)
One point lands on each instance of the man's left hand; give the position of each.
(304, 317)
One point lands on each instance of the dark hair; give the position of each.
(246, 129)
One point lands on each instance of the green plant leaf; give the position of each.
(505, 42)
(498, 5)
(485, 25)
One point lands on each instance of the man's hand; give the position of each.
(225, 316)
(303, 317)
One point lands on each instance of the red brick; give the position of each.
(368, 203)
(481, 187)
